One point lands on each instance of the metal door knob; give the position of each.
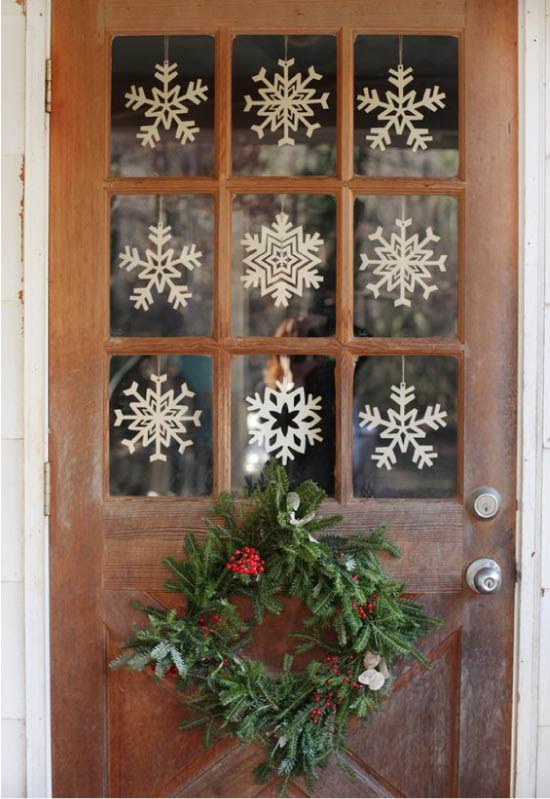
(484, 576)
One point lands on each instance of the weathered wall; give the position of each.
(13, 671)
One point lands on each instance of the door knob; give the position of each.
(484, 576)
(484, 502)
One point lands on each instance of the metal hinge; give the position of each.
(47, 487)
(48, 85)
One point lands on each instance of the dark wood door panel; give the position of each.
(409, 748)
(139, 533)
(105, 551)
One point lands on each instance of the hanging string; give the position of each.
(402, 369)
(283, 200)
(162, 215)
(403, 206)
(286, 48)
(158, 365)
(400, 50)
(166, 47)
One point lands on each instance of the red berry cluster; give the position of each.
(172, 671)
(246, 561)
(205, 628)
(328, 701)
(368, 609)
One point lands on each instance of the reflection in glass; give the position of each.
(162, 105)
(301, 416)
(160, 425)
(284, 105)
(162, 255)
(283, 264)
(402, 109)
(406, 265)
(423, 426)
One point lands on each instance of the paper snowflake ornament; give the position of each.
(282, 260)
(161, 268)
(286, 102)
(400, 110)
(158, 418)
(403, 428)
(403, 263)
(284, 421)
(167, 106)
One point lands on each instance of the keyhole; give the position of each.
(286, 419)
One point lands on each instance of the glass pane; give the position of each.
(405, 427)
(406, 105)
(284, 105)
(162, 265)
(162, 105)
(161, 425)
(283, 408)
(406, 265)
(284, 265)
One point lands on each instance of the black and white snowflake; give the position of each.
(286, 102)
(167, 106)
(400, 110)
(282, 260)
(160, 268)
(158, 418)
(403, 262)
(403, 428)
(284, 421)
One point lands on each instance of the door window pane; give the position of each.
(284, 265)
(161, 425)
(406, 265)
(405, 427)
(406, 105)
(162, 105)
(284, 105)
(162, 265)
(283, 408)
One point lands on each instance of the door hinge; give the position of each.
(48, 85)
(47, 487)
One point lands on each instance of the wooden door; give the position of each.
(443, 732)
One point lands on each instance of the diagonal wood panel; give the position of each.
(380, 760)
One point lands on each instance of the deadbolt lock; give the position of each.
(485, 503)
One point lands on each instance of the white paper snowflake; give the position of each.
(403, 428)
(158, 418)
(282, 260)
(284, 421)
(160, 269)
(286, 102)
(167, 106)
(403, 262)
(400, 110)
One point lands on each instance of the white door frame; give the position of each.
(532, 42)
(531, 354)
(35, 429)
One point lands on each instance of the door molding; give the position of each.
(531, 378)
(35, 410)
(531, 275)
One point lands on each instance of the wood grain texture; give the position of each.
(490, 382)
(107, 550)
(172, 16)
(76, 400)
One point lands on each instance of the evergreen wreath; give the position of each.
(262, 549)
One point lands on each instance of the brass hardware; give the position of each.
(48, 85)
